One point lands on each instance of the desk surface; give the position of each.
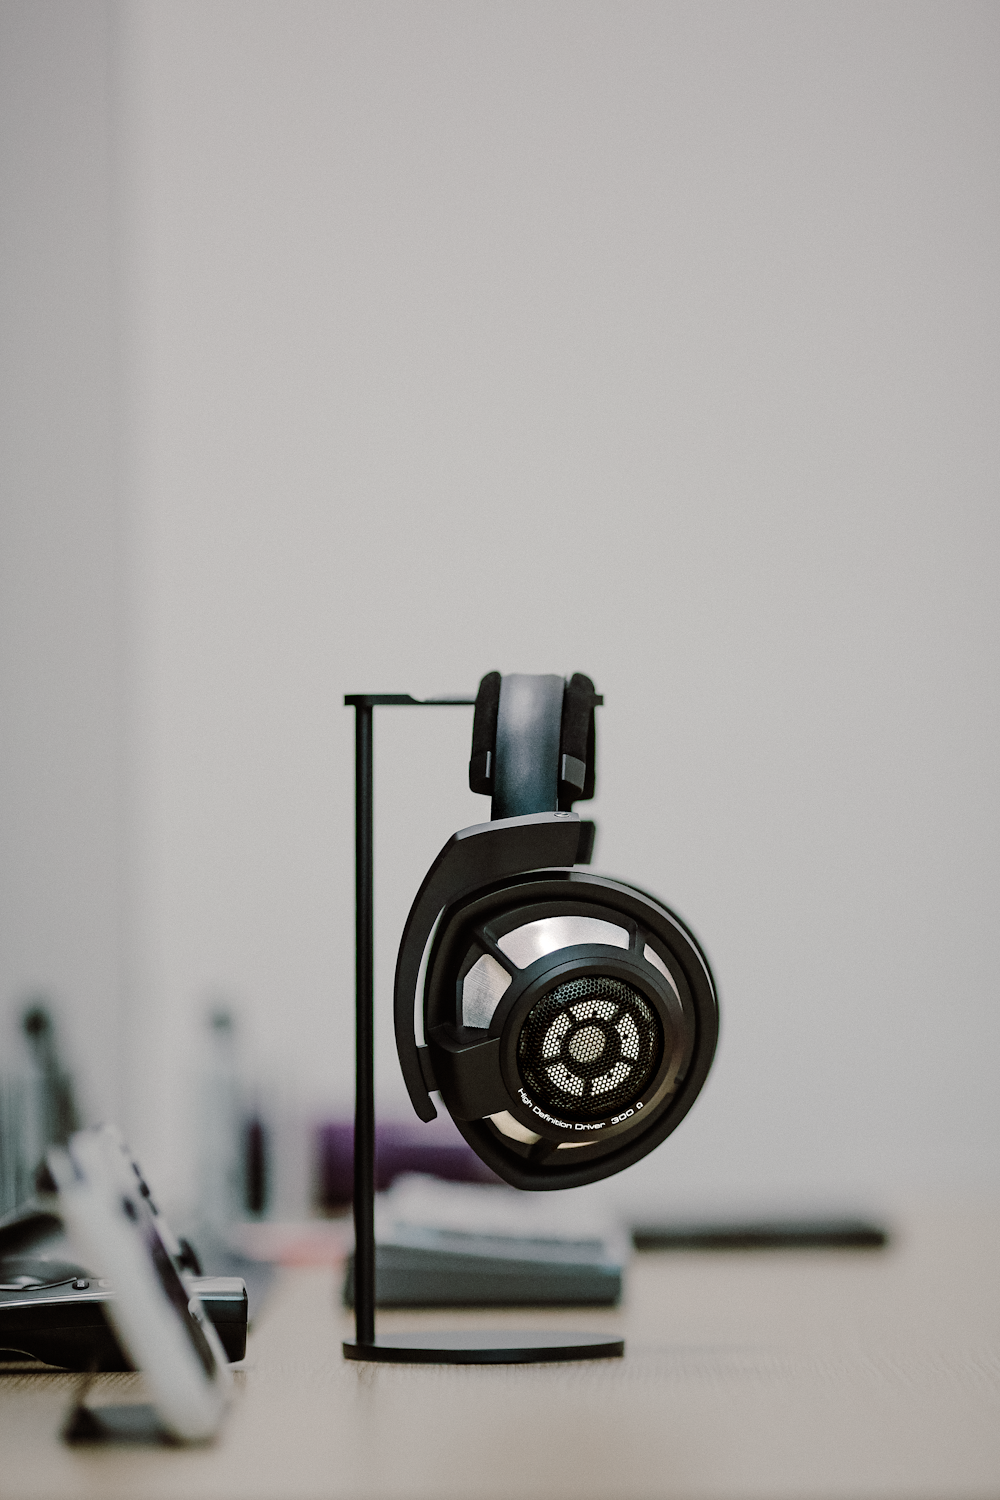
(769, 1374)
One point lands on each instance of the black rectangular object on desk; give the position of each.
(415, 1276)
(67, 1327)
(761, 1234)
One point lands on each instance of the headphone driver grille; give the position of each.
(589, 1047)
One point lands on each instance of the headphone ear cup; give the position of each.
(570, 1021)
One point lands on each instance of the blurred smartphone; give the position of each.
(156, 1312)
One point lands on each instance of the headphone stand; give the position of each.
(495, 1346)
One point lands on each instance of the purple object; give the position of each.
(437, 1149)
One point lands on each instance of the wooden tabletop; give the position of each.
(747, 1374)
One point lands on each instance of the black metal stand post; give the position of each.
(364, 705)
(495, 1346)
(364, 1023)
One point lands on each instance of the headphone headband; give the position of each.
(533, 742)
(529, 721)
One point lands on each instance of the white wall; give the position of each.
(657, 341)
(62, 719)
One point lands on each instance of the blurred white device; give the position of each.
(114, 1226)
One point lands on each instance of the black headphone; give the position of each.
(569, 1019)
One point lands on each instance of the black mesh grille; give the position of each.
(589, 1047)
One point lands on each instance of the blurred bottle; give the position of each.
(218, 1120)
(37, 1105)
(59, 1114)
(233, 1138)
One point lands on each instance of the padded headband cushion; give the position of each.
(484, 735)
(577, 742)
(533, 742)
(529, 721)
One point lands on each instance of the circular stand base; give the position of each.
(495, 1346)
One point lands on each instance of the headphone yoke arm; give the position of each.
(472, 858)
